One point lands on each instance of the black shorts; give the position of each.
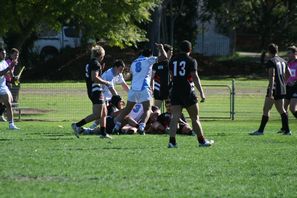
(291, 92)
(161, 95)
(276, 96)
(96, 97)
(183, 100)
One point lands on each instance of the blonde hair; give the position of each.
(97, 51)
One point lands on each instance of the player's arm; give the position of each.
(162, 53)
(97, 79)
(8, 69)
(271, 76)
(198, 85)
(125, 86)
(287, 73)
(152, 80)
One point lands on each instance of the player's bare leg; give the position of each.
(197, 127)
(145, 116)
(176, 111)
(293, 106)
(279, 104)
(7, 101)
(118, 120)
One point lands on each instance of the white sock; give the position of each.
(141, 126)
(118, 126)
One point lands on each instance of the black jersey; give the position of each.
(280, 67)
(180, 68)
(93, 65)
(161, 77)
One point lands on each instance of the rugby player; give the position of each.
(140, 92)
(278, 72)
(183, 71)
(94, 84)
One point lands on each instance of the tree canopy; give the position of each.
(115, 21)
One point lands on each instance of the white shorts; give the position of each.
(139, 96)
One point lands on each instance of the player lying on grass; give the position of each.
(161, 124)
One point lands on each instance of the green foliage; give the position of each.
(114, 21)
(271, 20)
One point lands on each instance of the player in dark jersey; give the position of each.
(183, 70)
(278, 73)
(93, 81)
(160, 78)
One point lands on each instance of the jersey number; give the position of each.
(138, 67)
(281, 67)
(179, 69)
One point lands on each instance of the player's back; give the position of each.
(180, 68)
(141, 70)
(93, 65)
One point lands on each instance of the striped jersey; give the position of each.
(93, 65)
(279, 65)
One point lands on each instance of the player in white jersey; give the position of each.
(140, 92)
(115, 76)
(5, 94)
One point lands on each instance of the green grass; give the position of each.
(44, 159)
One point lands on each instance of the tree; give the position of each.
(114, 21)
(272, 20)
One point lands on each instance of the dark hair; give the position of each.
(185, 46)
(115, 100)
(154, 108)
(119, 63)
(14, 50)
(273, 48)
(147, 52)
(167, 47)
(293, 49)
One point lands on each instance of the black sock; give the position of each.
(103, 131)
(172, 140)
(2, 109)
(81, 123)
(285, 122)
(295, 114)
(263, 123)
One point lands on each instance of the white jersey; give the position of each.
(3, 88)
(136, 112)
(110, 76)
(141, 70)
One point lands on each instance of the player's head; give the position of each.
(185, 46)
(147, 52)
(2, 53)
(14, 54)
(272, 49)
(292, 52)
(169, 50)
(116, 101)
(119, 66)
(97, 52)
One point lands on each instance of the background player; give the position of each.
(278, 72)
(291, 95)
(94, 87)
(160, 78)
(183, 70)
(5, 94)
(140, 92)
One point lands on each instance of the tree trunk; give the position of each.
(155, 27)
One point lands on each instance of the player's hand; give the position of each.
(202, 100)
(108, 84)
(159, 45)
(16, 78)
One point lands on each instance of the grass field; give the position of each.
(44, 159)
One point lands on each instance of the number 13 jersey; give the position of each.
(180, 68)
